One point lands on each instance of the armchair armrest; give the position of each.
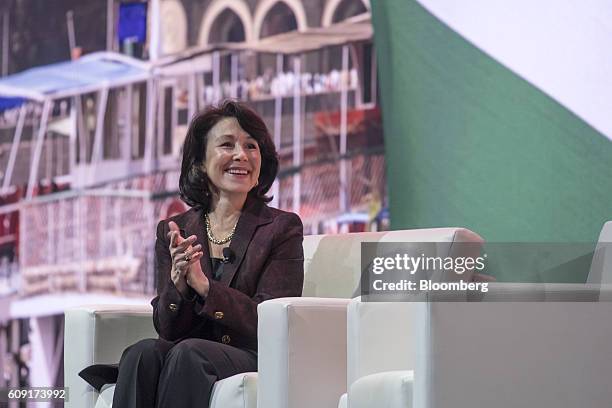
(302, 352)
(98, 335)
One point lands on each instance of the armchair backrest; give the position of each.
(332, 263)
(601, 266)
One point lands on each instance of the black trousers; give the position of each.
(158, 373)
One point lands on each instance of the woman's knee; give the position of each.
(188, 354)
(185, 349)
(188, 361)
(144, 350)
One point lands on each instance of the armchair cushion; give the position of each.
(105, 399)
(390, 389)
(238, 391)
(380, 337)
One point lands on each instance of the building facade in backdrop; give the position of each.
(92, 137)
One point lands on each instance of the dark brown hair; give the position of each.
(193, 183)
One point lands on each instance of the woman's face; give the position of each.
(233, 160)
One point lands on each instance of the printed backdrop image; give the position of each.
(497, 116)
(95, 101)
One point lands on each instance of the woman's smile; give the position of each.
(237, 171)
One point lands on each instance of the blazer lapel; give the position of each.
(254, 214)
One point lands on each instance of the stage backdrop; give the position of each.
(498, 116)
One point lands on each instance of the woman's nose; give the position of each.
(240, 154)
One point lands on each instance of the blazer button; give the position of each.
(173, 307)
(218, 315)
(225, 339)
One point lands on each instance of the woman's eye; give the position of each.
(226, 144)
(251, 146)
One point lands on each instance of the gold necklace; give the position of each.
(214, 240)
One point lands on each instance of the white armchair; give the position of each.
(551, 349)
(302, 341)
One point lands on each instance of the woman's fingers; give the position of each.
(182, 247)
(182, 252)
(174, 233)
(179, 243)
(190, 252)
(195, 257)
(183, 264)
(173, 227)
(172, 237)
(175, 236)
(186, 243)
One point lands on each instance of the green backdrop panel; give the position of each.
(469, 143)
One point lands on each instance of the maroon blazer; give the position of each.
(267, 263)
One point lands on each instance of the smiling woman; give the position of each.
(215, 263)
(217, 134)
(233, 159)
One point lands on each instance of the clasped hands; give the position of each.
(186, 270)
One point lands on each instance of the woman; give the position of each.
(215, 263)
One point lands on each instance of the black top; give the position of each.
(217, 268)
